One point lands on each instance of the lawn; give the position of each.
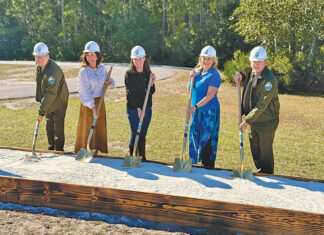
(298, 146)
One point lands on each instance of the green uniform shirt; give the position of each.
(260, 103)
(51, 91)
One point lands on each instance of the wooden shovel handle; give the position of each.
(185, 135)
(138, 132)
(239, 103)
(104, 89)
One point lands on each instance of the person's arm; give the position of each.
(152, 89)
(51, 83)
(214, 84)
(84, 89)
(211, 92)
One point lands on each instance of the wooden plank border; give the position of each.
(163, 163)
(186, 211)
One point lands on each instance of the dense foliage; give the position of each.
(173, 32)
(293, 33)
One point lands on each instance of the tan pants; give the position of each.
(99, 137)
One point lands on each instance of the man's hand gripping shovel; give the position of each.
(87, 155)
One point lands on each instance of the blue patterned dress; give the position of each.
(205, 120)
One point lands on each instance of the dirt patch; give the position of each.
(17, 222)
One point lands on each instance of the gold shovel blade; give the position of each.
(187, 165)
(34, 156)
(246, 174)
(177, 165)
(182, 165)
(132, 162)
(89, 156)
(81, 156)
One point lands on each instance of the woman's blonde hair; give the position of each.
(200, 66)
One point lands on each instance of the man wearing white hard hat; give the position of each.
(205, 109)
(260, 106)
(52, 93)
(92, 78)
(136, 82)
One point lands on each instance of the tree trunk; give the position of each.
(163, 30)
(201, 13)
(63, 23)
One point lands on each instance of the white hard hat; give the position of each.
(208, 51)
(137, 52)
(258, 54)
(91, 46)
(40, 49)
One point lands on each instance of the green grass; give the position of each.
(298, 147)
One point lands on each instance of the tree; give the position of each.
(292, 29)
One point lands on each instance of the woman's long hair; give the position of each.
(146, 66)
(200, 65)
(85, 62)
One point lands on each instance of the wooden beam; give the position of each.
(186, 211)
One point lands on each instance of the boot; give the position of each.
(131, 149)
(141, 149)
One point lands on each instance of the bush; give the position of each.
(305, 74)
(239, 63)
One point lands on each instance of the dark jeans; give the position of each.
(133, 122)
(55, 129)
(262, 152)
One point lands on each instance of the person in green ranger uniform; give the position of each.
(52, 93)
(260, 106)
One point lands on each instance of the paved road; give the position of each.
(18, 89)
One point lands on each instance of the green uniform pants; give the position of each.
(55, 129)
(261, 148)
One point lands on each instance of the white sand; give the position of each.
(199, 183)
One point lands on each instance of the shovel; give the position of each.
(86, 155)
(130, 161)
(34, 155)
(241, 173)
(184, 163)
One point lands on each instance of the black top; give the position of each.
(136, 86)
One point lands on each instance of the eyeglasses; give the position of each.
(40, 57)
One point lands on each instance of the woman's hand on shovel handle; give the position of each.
(139, 112)
(40, 118)
(243, 126)
(190, 111)
(193, 73)
(152, 76)
(94, 113)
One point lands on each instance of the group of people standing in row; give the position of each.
(260, 103)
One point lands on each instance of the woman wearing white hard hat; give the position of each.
(205, 110)
(260, 105)
(136, 82)
(92, 77)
